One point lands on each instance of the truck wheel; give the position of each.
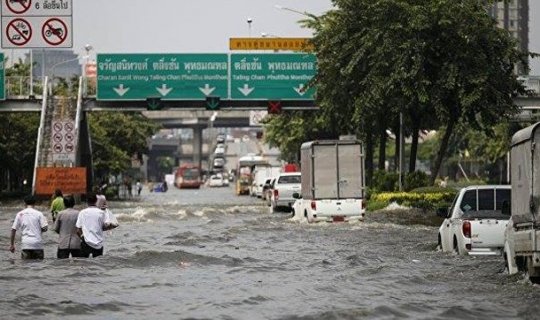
(532, 272)
(439, 243)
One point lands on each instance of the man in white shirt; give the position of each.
(91, 223)
(31, 223)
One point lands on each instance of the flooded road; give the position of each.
(207, 254)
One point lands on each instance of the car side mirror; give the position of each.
(296, 195)
(442, 212)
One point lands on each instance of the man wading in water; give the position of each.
(31, 223)
(69, 242)
(91, 223)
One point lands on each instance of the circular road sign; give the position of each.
(54, 31)
(58, 148)
(70, 147)
(57, 137)
(68, 126)
(18, 6)
(57, 126)
(69, 136)
(19, 32)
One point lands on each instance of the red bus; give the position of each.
(188, 175)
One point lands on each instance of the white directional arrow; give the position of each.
(164, 90)
(300, 90)
(206, 90)
(246, 90)
(121, 90)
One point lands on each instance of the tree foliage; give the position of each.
(443, 64)
(116, 138)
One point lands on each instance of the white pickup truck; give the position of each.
(285, 185)
(476, 221)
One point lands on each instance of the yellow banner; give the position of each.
(292, 44)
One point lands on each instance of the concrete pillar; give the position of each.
(197, 145)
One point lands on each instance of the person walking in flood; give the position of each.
(90, 224)
(32, 223)
(69, 242)
(57, 203)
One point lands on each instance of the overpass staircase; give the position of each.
(56, 111)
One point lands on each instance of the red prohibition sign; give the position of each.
(54, 31)
(57, 126)
(18, 6)
(69, 137)
(68, 126)
(70, 147)
(57, 137)
(58, 148)
(19, 32)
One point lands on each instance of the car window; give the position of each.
(468, 202)
(289, 179)
(503, 201)
(486, 199)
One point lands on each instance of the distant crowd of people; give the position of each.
(80, 232)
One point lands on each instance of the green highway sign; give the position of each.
(272, 76)
(2, 78)
(169, 76)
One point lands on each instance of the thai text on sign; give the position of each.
(293, 44)
(69, 180)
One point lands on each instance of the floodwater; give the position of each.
(207, 254)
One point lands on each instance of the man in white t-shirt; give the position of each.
(91, 223)
(31, 223)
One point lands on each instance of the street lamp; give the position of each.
(269, 35)
(304, 13)
(249, 21)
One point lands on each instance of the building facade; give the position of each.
(513, 15)
(54, 63)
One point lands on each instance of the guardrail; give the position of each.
(18, 87)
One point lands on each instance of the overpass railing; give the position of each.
(19, 87)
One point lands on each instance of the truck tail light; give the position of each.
(276, 194)
(466, 227)
(313, 205)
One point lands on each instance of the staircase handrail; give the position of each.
(40, 133)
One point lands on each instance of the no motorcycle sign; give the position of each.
(37, 24)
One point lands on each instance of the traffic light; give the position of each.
(154, 103)
(274, 107)
(212, 103)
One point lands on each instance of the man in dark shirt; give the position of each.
(70, 242)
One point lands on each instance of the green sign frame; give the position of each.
(272, 76)
(169, 76)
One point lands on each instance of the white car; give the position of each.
(219, 151)
(216, 181)
(285, 186)
(476, 221)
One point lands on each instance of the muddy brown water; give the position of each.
(207, 254)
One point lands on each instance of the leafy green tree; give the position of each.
(116, 137)
(439, 62)
(18, 136)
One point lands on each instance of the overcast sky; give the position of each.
(176, 26)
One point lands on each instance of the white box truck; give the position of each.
(522, 236)
(333, 181)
